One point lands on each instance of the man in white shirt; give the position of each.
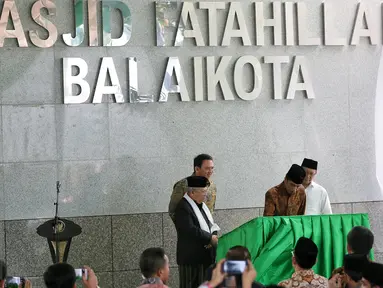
(317, 201)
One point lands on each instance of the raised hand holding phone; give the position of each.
(89, 279)
(234, 267)
(80, 273)
(218, 275)
(248, 275)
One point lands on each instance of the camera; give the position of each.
(231, 267)
(80, 272)
(15, 282)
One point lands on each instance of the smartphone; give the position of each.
(80, 272)
(232, 267)
(14, 282)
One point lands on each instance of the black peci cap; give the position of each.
(197, 182)
(296, 174)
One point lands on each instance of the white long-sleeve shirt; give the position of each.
(317, 201)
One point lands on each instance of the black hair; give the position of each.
(353, 265)
(373, 272)
(360, 239)
(152, 260)
(305, 253)
(238, 253)
(200, 158)
(60, 275)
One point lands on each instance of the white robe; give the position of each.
(202, 222)
(317, 201)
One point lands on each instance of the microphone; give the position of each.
(56, 221)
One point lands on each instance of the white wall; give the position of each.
(124, 158)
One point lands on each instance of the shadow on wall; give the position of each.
(106, 187)
(18, 66)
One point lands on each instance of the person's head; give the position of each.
(362, 271)
(305, 254)
(203, 165)
(60, 275)
(310, 166)
(197, 188)
(238, 253)
(294, 178)
(353, 266)
(373, 274)
(360, 240)
(3, 273)
(155, 264)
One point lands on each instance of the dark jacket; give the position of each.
(191, 239)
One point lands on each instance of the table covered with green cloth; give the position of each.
(271, 240)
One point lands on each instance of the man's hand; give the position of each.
(28, 283)
(248, 275)
(214, 240)
(217, 275)
(335, 281)
(92, 281)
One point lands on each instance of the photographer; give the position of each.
(359, 272)
(154, 265)
(235, 253)
(10, 281)
(63, 275)
(359, 241)
(247, 277)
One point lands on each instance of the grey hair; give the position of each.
(191, 189)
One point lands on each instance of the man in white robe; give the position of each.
(317, 200)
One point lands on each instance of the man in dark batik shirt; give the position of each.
(289, 197)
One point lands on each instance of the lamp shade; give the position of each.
(59, 237)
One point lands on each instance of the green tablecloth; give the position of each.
(270, 241)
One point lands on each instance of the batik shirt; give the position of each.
(179, 190)
(280, 203)
(343, 275)
(345, 279)
(305, 278)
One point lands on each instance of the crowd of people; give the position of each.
(358, 270)
(298, 194)
(192, 205)
(191, 208)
